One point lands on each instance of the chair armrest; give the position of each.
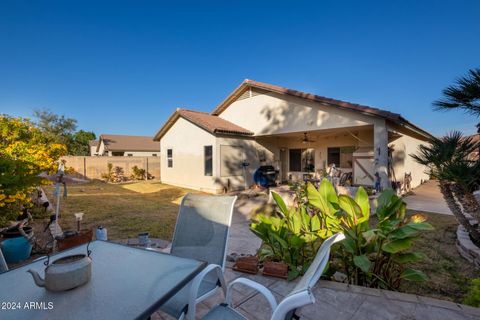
(254, 285)
(192, 297)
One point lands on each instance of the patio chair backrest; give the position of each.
(301, 293)
(3, 263)
(202, 227)
(314, 272)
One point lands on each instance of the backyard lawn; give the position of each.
(124, 209)
(450, 274)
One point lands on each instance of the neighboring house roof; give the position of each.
(117, 142)
(206, 121)
(93, 143)
(246, 84)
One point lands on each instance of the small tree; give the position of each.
(25, 152)
(59, 129)
(448, 160)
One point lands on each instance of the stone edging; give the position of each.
(400, 297)
(466, 247)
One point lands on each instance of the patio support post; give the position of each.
(380, 143)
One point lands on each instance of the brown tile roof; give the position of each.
(117, 142)
(206, 121)
(394, 117)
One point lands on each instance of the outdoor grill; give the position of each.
(266, 176)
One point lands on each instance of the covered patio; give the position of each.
(357, 150)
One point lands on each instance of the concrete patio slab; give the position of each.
(427, 197)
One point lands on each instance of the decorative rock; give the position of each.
(466, 247)
(339, 277)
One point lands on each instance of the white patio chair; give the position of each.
(3, 263)
(300, 296)
(201, 233)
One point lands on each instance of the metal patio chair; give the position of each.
(201, 233)
(300, 296)
(3, 263)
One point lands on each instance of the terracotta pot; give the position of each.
(83, 237)
(246, 264)
(275, 269)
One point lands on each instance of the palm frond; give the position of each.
(464, 94)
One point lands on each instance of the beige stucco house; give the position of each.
(126, 146)
(92, 144)
(296, 132)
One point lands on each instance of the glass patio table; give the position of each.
(126, 283)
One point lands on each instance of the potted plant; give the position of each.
(275, 269)
(17, 245)
(247, 264)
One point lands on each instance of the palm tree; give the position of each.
(448, 161)
(464, 95)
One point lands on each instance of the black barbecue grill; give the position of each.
(266, 176)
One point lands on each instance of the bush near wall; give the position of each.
(25, 152)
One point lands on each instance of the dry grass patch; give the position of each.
(450, 274)
(124, 209)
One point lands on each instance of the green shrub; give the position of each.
(137, 173)
(473, 295)
(372, 256)
(289, 235)
(108, 175)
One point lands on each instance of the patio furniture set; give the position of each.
(133, 283)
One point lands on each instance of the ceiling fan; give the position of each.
(305, 139)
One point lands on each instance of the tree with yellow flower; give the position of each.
(25, 152)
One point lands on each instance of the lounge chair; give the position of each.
(201, 233)
(300, 296)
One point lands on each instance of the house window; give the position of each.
(302, 160)
(342, 157)
(170, 158)
(129, 155)
(154, 154)
(208, 155)
(295, 160)
(118, 153)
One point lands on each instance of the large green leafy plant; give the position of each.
(289, 235)
(374, 253)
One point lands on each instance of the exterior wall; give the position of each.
(101, 148)
(272, 113)
(142, 153)
(402, 162)
(93, 150)
(251, 149)
(187, 141)
(93, 167)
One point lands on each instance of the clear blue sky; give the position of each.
(124, 66)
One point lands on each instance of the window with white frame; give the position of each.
(208, 155)
(169, 158)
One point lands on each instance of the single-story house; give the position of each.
(92, 144)
(296, 132)
(126, 146)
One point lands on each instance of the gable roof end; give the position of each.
(206, 121)
(387, 115)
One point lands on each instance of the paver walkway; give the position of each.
(427, 197)
(336, 301)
